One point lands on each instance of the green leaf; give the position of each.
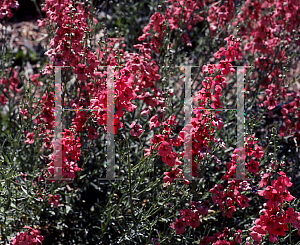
(24, 190)
(19, 54)
(13, 205)
(68, 208)
(83, 176)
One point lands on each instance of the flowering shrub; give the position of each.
(153, 200)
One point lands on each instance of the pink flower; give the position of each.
(179, 226)
(136, 129)
(173, 174)
(186, 40)
(92, 133)
(255, 236)
(23, 175)
(3, 99)
(223, 12)
(40, 23)
(185, 214)
(264, 180)
(225, 67)
(34, 78)
(257, 153)
(30, 139)
(287, 196)
(170, 159)
(164, 149)
(6, 8)
(193, 220)
(145, 112)
(80, 70)
(219, 54)
(53, 199)
(271, 102)
(203, 208)
(24, 238)
(154, 122)
(253, 166)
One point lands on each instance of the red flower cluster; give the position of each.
(136, 130)
(65, 47)
(261, 34)
(200, 133)
(70, 154)
(165, 149)
(190, 217)
(172, 16)
(234, 237)
(274, 219)
(291, 112)
(52, 199)
(265, 33)
(174, 174)
(138, 74)
(7, 7)
(265, 29)
(251, 149)
(47, 115)
(227, 198)
(45, 120)
(10, 85)
(33, 238)
(30, 139)
(219, 15)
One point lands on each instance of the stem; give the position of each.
(290, 229)
(290, 235)
(129, 172)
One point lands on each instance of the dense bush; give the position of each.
(153, 200)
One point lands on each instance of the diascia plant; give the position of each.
(152, 200)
